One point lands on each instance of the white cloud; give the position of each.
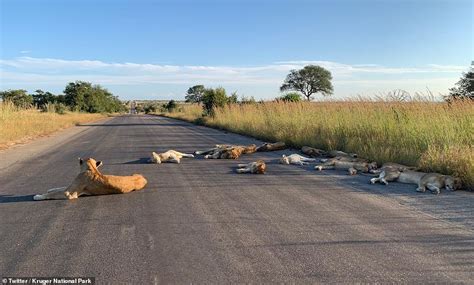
(29, 71)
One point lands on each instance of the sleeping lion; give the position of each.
(227, 151)
(256, 167)
(90, 181)
(169, 156)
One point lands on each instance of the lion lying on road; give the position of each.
(227, 151)
(352, 165)
(257, 167)
(316, 152)
(272, 146)
(90, 181)
(295, 159)
(169, 156)
(433, 181)
(392, 165)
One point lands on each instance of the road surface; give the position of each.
(200, 222)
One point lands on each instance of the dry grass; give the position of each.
(18, 125)
(434, 136)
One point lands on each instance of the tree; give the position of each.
(309, 80)
(171, 105)
(83, 96)
(464, 88)
(213, 98)
(290, 97)
(195, 93)
(41, 98)
(233, 98)
(19, 97)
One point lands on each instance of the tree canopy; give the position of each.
(83, 96)
(195, 93)
(19, 97)
(309, 80)
(464, 88)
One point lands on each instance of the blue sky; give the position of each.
(156, 49)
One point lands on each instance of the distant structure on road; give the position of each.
(133, 105)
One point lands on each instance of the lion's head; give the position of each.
(284, 159)
(452, 183)
(155, 158)
(89, 164)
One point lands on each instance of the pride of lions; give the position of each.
(90, 181)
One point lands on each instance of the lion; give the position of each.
(394, 165)
(257, 167)
(272, 146)
(295, 159)
(313, 152)
(169, 156)
(90, 181)
(352, 165)
(227, 151)
(338, 153)
(433, 181)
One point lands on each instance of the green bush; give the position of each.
(151, 108)
(19, 98)
(290, 97)
(213, 98)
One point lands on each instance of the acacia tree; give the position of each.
(195, 93)
(464, 88)
(309, 80)
(19, 98)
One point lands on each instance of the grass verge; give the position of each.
(20, 125)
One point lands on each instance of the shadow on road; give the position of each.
(143, 160)
(14, 199)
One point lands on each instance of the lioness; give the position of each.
(338, 153)
(313, 152)
(90, 181)
(393, 165)
(227, 151)
(272, 146)
(257, 167)
(295, 159)
(169, 156)
(347, 164)
(433, 181)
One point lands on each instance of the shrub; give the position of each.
(213, 98)
(290, 97)
(150, 108)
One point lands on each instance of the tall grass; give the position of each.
(18, 125)
(432, 135)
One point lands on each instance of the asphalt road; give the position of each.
(200, 222)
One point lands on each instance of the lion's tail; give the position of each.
(139, 181)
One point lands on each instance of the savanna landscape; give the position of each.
(160, 142)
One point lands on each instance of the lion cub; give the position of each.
(257, 167)
(90, 181)
(169, 156)
(295, 159)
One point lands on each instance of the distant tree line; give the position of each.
(212, 98)
(78, 96)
